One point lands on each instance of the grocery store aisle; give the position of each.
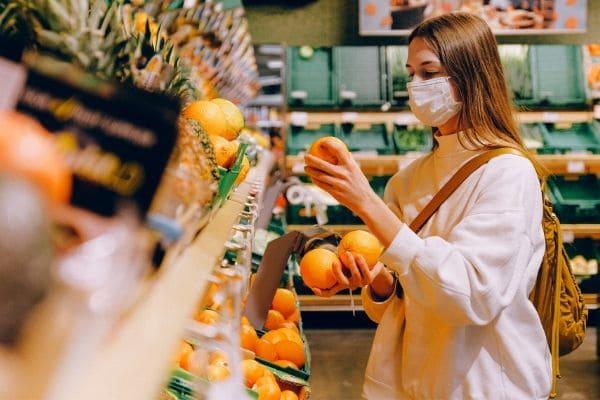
(340, 356)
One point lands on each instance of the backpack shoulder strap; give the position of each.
(463, 173)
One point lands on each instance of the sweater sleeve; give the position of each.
(373, 308)
(470, 276)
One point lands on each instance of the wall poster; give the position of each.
(505, 17)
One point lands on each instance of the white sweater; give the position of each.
(465, 328)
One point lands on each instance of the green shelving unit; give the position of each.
(311, 80)
(360, 73)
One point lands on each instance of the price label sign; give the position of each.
(575, 167)
(568, 236)
(116, 139)
(550, 117)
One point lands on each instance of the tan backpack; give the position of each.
(556, 295)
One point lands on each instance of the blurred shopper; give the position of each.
(455, 321)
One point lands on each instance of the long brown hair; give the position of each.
(467, 48)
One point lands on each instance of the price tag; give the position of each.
(575, 167)
(347, 94)
(597, 111)
(349, 117)
(406, 119)
(299, 118)
(298, 165)
(550, 117)
(117, 139)
(275, 64)
(568, 236)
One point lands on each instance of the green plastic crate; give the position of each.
(544, 75)
(396, 57)
(557, 79)
(299, 138)
(575, 137)
(360, 72)
(576, 198)
(517, 72)
(412, 138)
(310, 78)
(371, 137)
(533, 137)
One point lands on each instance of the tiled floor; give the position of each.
(339, 358)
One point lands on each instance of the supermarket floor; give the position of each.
(339, 356)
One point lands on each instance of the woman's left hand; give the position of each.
(352, 276)
(344, 181)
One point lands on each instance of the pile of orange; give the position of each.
(316, 267)
(283, 346)
(260, 379)
(222, 121)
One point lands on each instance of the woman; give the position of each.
(455, 321)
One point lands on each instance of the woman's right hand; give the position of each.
(353, 276)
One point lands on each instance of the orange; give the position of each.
(225, 150)
(252, 370)
(248, 337)
(197, 362)
(360, 242)
(244, 168)
(295, 317)
(274, 320)
(265, 350)
(318, 150)
(274, 336)
(208, 317)
(218, 357)
(267, 389)
(288, 395)
(291, 351)
(208, 115)
(289, 324)
(233, 116)
(27, 149)
(291, 334)
(284, 301)
(316, 268)
(217, 372)
(183, 354)
(286, 364)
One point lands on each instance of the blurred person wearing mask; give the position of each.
(455, 320)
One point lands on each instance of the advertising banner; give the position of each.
(505, 17)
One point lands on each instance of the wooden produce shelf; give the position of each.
(558, 164)
(339, 302)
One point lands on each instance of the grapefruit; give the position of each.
(233, 117)
(316, 268)
(317, 149)
(360, 242)
(209, 116)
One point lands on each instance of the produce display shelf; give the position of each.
(558, 164)
(161, 314)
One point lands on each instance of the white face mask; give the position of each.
(432, 101)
